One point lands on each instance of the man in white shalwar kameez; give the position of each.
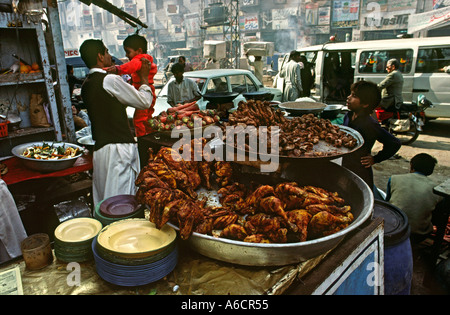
(291, 72)
(106, 96)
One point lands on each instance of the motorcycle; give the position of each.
(406, 122)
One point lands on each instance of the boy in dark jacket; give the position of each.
(364, 98)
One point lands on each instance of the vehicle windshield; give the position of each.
(240, 83)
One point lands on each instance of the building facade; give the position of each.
(176, 26)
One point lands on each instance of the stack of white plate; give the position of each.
(73, 239)
(134, 252)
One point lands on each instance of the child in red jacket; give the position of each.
(135, 47)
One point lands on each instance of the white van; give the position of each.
(423, 62)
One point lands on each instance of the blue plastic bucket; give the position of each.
(398, 260)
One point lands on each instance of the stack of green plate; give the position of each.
(118, 208)
(73, 239)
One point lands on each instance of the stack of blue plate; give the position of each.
(118, 208)
(130, 276)
(134, 252)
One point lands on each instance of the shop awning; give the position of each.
(429, 20)
(116, 11)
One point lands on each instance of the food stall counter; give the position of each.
(339, 270)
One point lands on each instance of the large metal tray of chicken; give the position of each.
(331, 177)
(305, 137)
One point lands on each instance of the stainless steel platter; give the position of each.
(329, 176)
(46, 166)
(322, 146)
(302, 108)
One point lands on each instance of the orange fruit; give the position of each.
(35, 66)
(24, 69)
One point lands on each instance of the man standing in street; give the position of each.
(392, 86)
(291, 73)
(307, 77)
(106, 96)
(181, 90)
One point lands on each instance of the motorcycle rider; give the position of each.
(392, 86)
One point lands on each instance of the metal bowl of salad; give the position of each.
(47, 156)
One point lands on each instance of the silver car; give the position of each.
(214, 81)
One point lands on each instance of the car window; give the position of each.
(242, 84)
(375, 61)
(80, 72)
(217, 85)
(432, 60)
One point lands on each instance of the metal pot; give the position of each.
(220, 98)
(259, 95)
(327, 175)
(46, 166)
(302, 108)
(87, 142)
(331, 111)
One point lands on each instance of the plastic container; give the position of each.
(398, 260)
(4, 129)
(214, 49)
(36, 251)
(259, 48)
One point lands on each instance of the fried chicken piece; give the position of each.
(156, 199)
(188, 216)
(314, 209)
(205, 227)
(324, 223)
(235, 189)
(312, 199)
(262, 223)
(234, 231)
(301, 219)
(170, 211)
(291, 195)
(261, 192)
(235, 203)
(277, 236)
(223, 221)
(325, 194)
(273, 205)
(162, 172)
(184, 183)
(176, 164)
(224, 172)
(152, 181)
(204, 169)
(256, 238)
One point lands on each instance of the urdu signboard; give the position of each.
(345, 13)
(429, 20)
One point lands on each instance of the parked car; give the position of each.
(217, 80)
